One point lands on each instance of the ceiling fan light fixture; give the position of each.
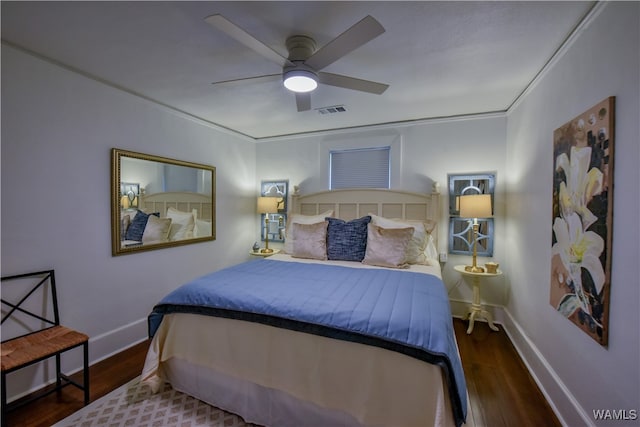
(300, 81)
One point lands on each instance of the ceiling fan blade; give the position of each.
(257, 79)
(352, 83)
(232, 30)
(359, 34)
(303, 101)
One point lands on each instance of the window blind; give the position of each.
(361, 168)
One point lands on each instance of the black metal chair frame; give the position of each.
(62, 380)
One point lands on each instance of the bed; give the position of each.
(295, 339)
(178, 216)
(183, 201)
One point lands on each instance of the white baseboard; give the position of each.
(113, 342)
(561, 400)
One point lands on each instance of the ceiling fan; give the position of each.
(301, 70)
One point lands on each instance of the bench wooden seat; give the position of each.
(36, 346)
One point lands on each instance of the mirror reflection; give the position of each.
(460, 185)
(460, 229)
(159, 202)
(461, 236)
(274, 226)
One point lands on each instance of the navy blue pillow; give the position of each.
(137, 226)
(347, 241)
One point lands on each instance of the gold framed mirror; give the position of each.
(157, 202)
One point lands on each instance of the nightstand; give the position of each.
(476, 309)
(264, 254)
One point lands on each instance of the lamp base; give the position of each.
(474, 269)
(266, 251)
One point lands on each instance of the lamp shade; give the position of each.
(475, 206)
(268, 205)
(125, 203)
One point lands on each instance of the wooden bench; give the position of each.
(52, 339)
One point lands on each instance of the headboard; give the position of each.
(182, 201)
(355, 203)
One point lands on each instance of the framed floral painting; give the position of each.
(583, 152)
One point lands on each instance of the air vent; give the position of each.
(331, 110)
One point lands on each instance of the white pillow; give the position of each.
(431, 251)
(182, 224)
(194, 212)
(202, 229)
(289, 234)
(156, 230)
(418, 244)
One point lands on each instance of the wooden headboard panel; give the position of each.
(356, 203)
(182, 201)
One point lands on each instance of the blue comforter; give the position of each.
(397, 310)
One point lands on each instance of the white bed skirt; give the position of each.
(256, 404)
(276, 377)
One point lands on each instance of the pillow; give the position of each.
(202, 228)
(182, 224)
(194, 212)
(431, 252)
(418, 243)
(138, 223)
(289, 234)
(124, 226)
(387, 247)
(310, 240)
(156, 230)
(347, 241)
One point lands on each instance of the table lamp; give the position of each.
(267, 205)
(475, 206)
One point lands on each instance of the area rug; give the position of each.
(133, 404)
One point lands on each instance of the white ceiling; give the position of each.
(440, 59)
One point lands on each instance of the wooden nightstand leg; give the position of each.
(476, 307)
(489, 318)
(477, 310)
(472, 319)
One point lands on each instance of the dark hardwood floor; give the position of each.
(104, 376)
(501, 391)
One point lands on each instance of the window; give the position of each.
(359, 168)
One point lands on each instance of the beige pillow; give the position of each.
(125, 221)
(156, 230)
(387, 247)
(182, 224)
(310, 240)
(419, 239)
(289, 235)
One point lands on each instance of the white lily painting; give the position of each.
(582, 219)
